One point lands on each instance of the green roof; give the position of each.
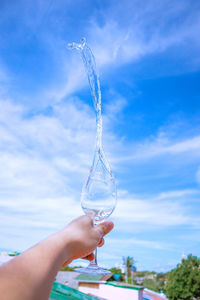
(62, 292)
(88, 277)
(125, 285)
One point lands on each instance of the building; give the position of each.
(62, 292)
(67, 278)
(98, 286)
(139, 280)
(111, 290)
(73, 285)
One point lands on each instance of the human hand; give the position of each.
(83, 237)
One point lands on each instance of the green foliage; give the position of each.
(130, 263)
(161, 276)
(152, 284)
(115, 271)
(155, 283)
(67, 268)
(145, 273)
(131, 281)
(184, 280)
(162, 279)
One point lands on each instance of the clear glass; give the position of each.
(99, 195)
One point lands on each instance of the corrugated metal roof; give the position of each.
(88, 277)
(68, 278)
(62, 292)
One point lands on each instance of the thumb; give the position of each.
(105, 227)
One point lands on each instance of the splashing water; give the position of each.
(93, 78)
(99, 196)
(99, 192)
(90, 65)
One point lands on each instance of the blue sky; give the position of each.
(147, 54)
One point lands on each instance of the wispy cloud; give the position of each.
(164, 146)
(115, 43)
(47, 133)
(166, 210)
(46, 154)
(39, 144)
(132, 242)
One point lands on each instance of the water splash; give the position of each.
(90, 66)
(99, 196)
(93, 78)
(99, 192)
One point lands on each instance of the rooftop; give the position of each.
(63, 292)
(151, 295)
(125, 285)
(88, 277)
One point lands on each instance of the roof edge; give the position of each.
(92, 281)
(133, 287)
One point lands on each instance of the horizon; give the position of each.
(79, 263)
(147, 58)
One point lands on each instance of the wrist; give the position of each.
(65, 240)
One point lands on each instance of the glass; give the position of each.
(99, 195)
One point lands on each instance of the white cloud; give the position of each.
(162, 146)
(163, 210)
(45, 157)
(177, 194)
(74, 75)
(115, 43)
(130, 242)
(44, 161)
(50, 155)
(114, 108)
(118, 44)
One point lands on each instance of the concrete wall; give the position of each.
(110, 292)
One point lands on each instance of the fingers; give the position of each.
(105, 227)
(101, 243)
(65, 264)
(89, 257)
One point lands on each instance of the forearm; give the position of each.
(31, 274)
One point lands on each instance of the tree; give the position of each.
(67, 268)
(152, 284)
(115, 270)
(184, 281)
(145, 273)
(130, 265)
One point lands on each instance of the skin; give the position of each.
(30, 275)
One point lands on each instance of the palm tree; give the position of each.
(130, 266)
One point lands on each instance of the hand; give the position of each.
(83, 237)
(38, 266)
